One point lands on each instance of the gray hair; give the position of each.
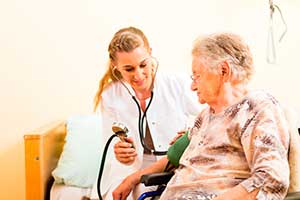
(216, 48)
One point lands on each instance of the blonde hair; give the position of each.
(124, 40)
(216, 48)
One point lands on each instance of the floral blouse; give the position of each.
(246, 144)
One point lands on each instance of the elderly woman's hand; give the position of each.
(127, 185)
(125, 152)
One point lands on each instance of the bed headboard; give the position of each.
(43, 147)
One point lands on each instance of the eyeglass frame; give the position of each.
(195, 78)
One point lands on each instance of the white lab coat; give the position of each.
(171, 109)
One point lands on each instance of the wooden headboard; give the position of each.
(43, 147)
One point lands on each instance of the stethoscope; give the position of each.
(142, 117)
(121, 131)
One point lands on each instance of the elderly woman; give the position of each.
(239, 144)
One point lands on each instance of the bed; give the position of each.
(43, 147)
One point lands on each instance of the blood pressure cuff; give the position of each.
(176, 150)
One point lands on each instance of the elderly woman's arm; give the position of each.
(265, 142)
(124, 189)
(238, 193)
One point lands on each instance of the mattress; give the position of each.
(66, 192)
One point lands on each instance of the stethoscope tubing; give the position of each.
(141, 118)
(141, 127)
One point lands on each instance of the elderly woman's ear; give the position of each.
(226, 71)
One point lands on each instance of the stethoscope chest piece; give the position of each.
(120, 130)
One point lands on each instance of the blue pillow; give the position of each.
(79, 162)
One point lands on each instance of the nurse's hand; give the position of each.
(179, 134)
(125, 152)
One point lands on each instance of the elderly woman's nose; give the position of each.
(193, 86)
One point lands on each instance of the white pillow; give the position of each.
(79, 162)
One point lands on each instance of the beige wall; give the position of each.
(53, 52)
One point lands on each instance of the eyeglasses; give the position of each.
(195, 78)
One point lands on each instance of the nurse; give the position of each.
(152, 105)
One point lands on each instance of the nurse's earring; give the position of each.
(152, 69)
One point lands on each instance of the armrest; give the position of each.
(43, 147)
(156, 178)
